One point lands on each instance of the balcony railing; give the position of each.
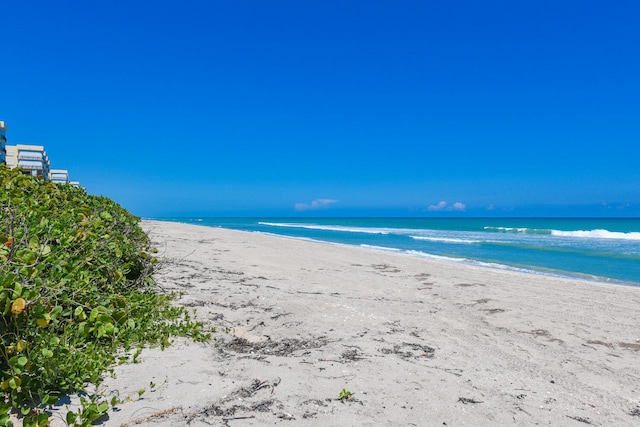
(30, 155)
(30, 164)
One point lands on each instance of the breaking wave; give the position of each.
(329, 227)
(586, 234)
(447, 240)
(598, 234)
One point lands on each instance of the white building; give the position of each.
(59, 176)
(32, 159)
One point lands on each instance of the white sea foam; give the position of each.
(380, 248)
(597, 234)
(467, 261)
(304, 239)
(329, 227)
(438, 257)
(588, 234)
(493, 265)
(446, 240)
(518, 230)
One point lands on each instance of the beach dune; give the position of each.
(315, 334)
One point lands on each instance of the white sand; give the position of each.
(418, 342)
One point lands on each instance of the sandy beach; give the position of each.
(417, 342)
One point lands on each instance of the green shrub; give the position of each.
(76, 295)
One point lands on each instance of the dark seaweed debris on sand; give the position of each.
(270, 347)
(399, 350)
(467, 400)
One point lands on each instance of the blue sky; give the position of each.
(334, 107)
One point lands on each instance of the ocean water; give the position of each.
(602, 249)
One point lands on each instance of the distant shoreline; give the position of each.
(584, 249)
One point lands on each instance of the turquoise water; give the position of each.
(603, 249)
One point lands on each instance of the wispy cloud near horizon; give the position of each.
(444, 206)
(314, 205)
